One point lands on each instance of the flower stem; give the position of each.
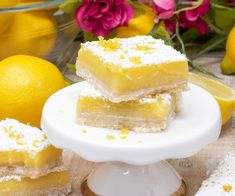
(193, 5)
(173, 36)
(68, 80)
(190, 3)
(200, 69)
(178, 36)
(191, 64)
(209, 45)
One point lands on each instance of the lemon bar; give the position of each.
(149, 114)
(56, 183)
(131, 68)
(25, 150)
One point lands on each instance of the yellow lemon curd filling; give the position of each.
(55, 182)
(155, 109)
(148, 114)
(131, 68)
(25, 150)
(48, 156)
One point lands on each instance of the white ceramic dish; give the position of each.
(196, 125)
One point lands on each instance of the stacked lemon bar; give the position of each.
(29, 164)
(132, 83)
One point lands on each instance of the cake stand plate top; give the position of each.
(197, 124)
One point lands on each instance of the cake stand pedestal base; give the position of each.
(120, 179)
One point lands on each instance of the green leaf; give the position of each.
(163, 34)
(224, 3)
(72, 67)
(69, 6)
(154, 29)
(139, 10)
(111, 35)
(210, 45)
(160, 32)
(210, 20)
(89, 36)
(190, 35)
(224, 16)
(80, 36)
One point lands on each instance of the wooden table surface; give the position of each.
(193, 169)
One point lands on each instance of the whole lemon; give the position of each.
(32, 33)
(139, 25)
(228, 62)
(26, 82)
(6, 17)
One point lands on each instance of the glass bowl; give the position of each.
(35, 27)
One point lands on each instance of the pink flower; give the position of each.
(201, 10)
(164, 8)
(170, 25)
(193, 18)
(198, 24)
(102, 16)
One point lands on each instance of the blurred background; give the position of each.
(39, 28)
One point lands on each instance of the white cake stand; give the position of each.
(134, 166)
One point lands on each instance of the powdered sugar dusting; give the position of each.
(135, 51)
(88, 90)
(222, 180)
(12, 177)
(165, 97)
(20, 137)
